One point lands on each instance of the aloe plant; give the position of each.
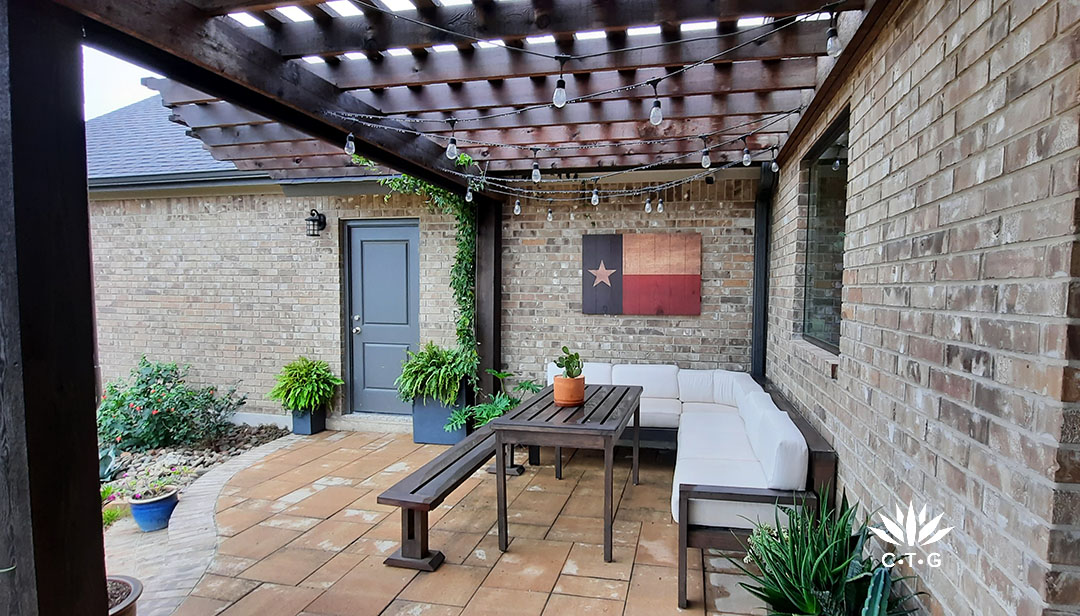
(877, 596)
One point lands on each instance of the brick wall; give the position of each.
(232, 286)
(542, 281)
(956, 380)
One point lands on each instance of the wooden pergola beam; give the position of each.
(213, 55)
(796, 40)
(512, 20)
(753, 76)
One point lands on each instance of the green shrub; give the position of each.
(110, 516)
(435, 373)
(304, 386)
(497, 405)
(158, 409)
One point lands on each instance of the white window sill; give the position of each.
(821, 361)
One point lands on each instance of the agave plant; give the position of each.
(811, 564)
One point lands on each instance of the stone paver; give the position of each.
(299, 532)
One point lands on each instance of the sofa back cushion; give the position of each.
(658, 381)
(596, 373)
(728, 386)
(781, 449)
(697, 386)
(753, 407)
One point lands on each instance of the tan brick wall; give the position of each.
(542, 281)
(955, 385)
(232, 286)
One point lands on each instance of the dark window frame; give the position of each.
(838, 127)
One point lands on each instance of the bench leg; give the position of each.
(414, 553)
(684, 513)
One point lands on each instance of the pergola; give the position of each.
(281, 95)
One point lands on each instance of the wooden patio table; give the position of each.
(596, 424)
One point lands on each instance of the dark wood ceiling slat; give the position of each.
(512, 20)
(800, 40)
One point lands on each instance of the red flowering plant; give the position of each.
(157, 408)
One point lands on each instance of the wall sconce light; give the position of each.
(315, 223)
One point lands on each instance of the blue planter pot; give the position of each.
(309, 423)
(153, 513)
(429, 419)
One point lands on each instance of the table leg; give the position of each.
(558, 462)
(609, 463)
(500, 488)
(637, 440)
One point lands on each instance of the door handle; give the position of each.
(356, 330)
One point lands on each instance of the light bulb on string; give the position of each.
(595, 199)
(774, 166)
(350, 145)
(468, 194)
(559, 97)
(451, 147)
(833, 46)
(746, 159)
(706, 162)
(517, 207)
(550, 215)
(836, 165)
(536, 172)
(648, 205)
(656, 115)
(660, 205)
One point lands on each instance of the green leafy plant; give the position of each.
(152, 482)
(158, 408)
(305, 386)
(110, 516)
(570, 363)
(497, 405)
(813, 565)
(435, 372)
(463, 272)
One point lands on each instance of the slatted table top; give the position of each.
(607, 409)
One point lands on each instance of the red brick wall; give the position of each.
(956, 382)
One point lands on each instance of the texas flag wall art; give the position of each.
(641, 273)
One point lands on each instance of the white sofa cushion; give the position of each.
(736, 474)
(782, 451)
(659, 413)
(728, 386)
(754, 406)
(714, 436)
(596, 373)
(707, 408)
(658, 381)
(696, 386)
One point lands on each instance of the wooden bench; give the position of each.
(426, 489)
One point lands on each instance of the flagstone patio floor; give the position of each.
(300, 532)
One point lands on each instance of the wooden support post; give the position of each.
(489, 290)
(414, 552)
(760, 309)
(50, 512)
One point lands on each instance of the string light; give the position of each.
(451, 146)
(706, 162)
(836, 165)
(656, 115)
(350, 145)
(468, 194)
(536, 172)
(746, 158)
(558, 98)
(550, 215)
(595, 199)
(833, 46)
(660, 205)
(774, 166)
(517, 207)
(648, 205)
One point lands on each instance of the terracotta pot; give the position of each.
(569, 392)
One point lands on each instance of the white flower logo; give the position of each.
(911, 530)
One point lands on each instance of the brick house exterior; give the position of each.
(956, 381)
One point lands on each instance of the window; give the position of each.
(827, 169)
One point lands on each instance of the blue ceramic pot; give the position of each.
(430, 417)
(153, 513)
(308, 423)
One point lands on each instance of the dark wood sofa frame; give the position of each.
(820, 478)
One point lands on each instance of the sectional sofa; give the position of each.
(740, 450)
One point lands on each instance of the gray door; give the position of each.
(383, 311)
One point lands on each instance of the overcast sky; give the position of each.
(110, 83)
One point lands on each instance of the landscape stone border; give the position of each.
(192, 535)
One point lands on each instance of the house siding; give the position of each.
(955, 386)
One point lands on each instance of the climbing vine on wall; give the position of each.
(463, 273)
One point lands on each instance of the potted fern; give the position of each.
(437, 382)
(304, 388)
